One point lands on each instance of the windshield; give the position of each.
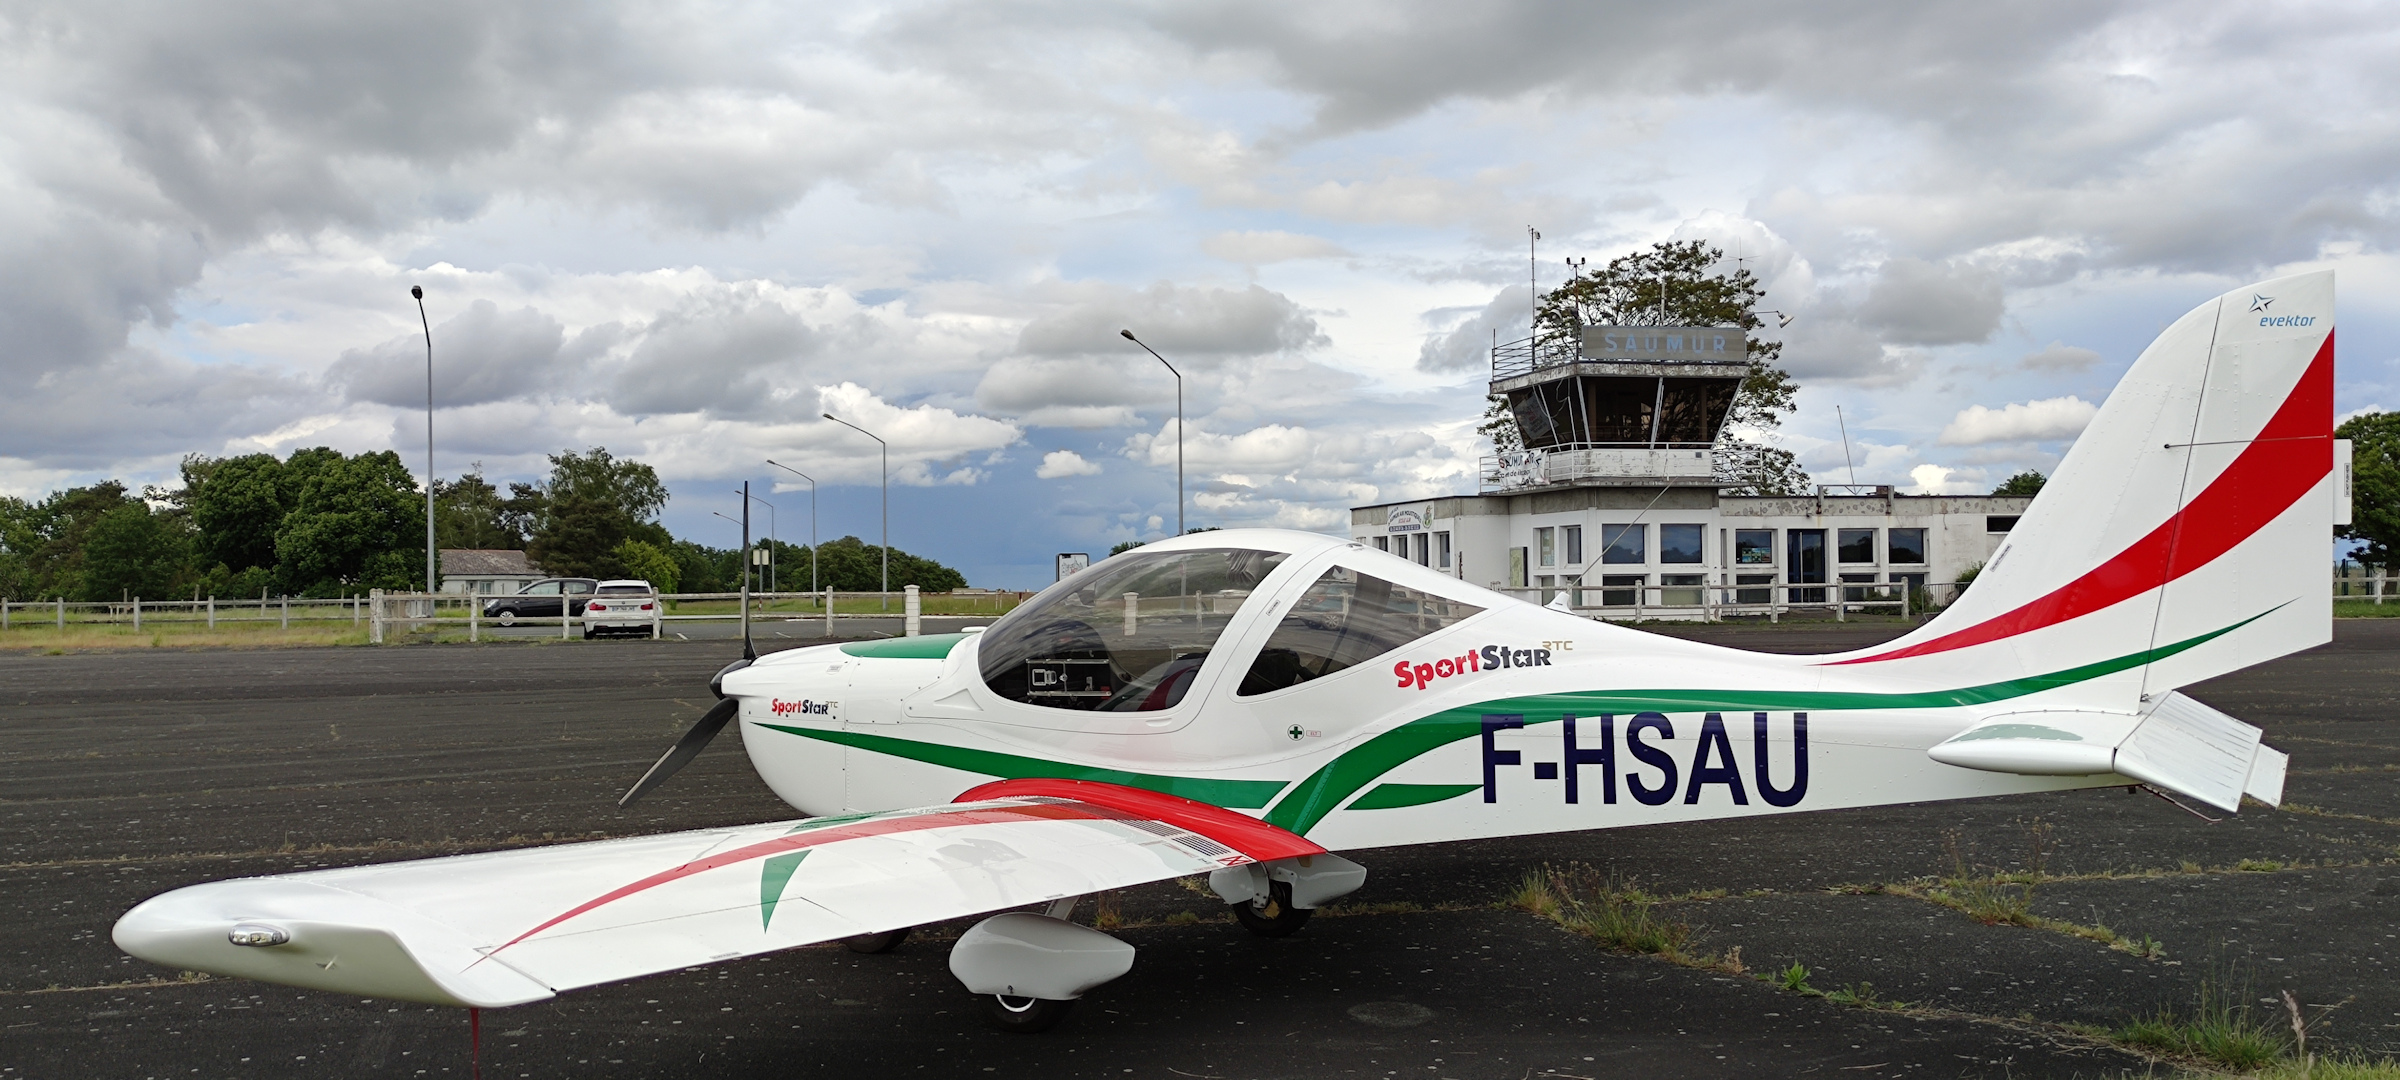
(1126, 635)
(624, 590)
(1344, 619)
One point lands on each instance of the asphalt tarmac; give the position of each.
(125, 774)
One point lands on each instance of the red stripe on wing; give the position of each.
(1241, 832)
(855, 830)
(2284, 462)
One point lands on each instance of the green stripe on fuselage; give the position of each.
(1310, 800)
(1231, 794)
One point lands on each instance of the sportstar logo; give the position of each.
(1488, 658)
(781, 707)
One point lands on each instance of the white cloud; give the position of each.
(1930, 479)
(1063, 463)
(1269, 246)
(2060, 358)
(2031, 421)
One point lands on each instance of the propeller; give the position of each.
(685, 749)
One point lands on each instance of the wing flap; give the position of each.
(507, 927)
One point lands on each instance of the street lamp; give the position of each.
(887, 502)
(1178, 427)
(418, 291)
(812, 519)
(771, 534)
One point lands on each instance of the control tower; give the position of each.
(1616, 406)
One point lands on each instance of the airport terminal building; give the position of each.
(1613, 501)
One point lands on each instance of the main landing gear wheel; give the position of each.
(877, 943)
(1024, 1015)
(1273, 917)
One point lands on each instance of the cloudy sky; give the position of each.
(682, 231)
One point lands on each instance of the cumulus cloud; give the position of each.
(2065, 359)
(2031, 421)
(483, 354)
(1465, 343)
(1269, 246)
(1177, 320)
(1064, 463)
(1914, 302)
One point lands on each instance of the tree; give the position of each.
(53, 533)
(591, 503)
(699, 568)
(853, 565)
(645, 561)
(580, 537)
(1671, 285)
(470, 513)
(2028, 483)
(355, 523)
(2375, 484)
(131, 550)
(236, 505)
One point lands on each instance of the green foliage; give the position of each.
(1122, 547)
(1794, 979)
(592, 503)
(702, 569)
(579, 538)
(852, 565)
(354, 524)
(45, 540)
(2025, 483)
(647, 561)
(470, 513)
(1614, 913)
(132, 551)
(237, 504)
(2221, 1026)
(2375, 485)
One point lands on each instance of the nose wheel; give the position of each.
(1274, 916)
(1024, 1015)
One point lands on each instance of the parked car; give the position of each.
(622, 606)
(540, 600)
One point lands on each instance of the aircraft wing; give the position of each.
(510, 927)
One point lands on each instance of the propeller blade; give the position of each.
(684, 750)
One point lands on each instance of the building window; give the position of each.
(1574, 539)
(1546, 583)
(1681, 590)
(1753, 547)
(1855, 545)
(1424, 545)
(1622, 590)
(1763, 595)
(1681, 543)
(1905, 546)
(1625, 544)
(1383, 543)
(1441, 549)
(1547, 540)
(1857, 587)
(1999, 523)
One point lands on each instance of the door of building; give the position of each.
(1805, 564)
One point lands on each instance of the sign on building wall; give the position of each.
(1671, 343)
(1406, 521)
(1071, 561)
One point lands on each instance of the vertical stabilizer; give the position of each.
(2187, 528)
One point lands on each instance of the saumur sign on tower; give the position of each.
(1243, 704)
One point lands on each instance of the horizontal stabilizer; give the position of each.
(2180, 745)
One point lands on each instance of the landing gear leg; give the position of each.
(1024, 1015)
(1272, 916)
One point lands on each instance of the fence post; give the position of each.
(828, 611)
(912, 612)
(137, 614)
(287, 612)
(566, 613)
(658, 612)
(62, 613)
(3, 613)
(474, 621)
(1133, 612)
(212, 611)
(375, 616)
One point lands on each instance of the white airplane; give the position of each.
(1242, 704)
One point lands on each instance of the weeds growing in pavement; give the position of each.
(1615, 913)
(1996, 896)
(1794, 979)
(2222, 1026)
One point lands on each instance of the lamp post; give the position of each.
(1178, 427)
(771, 534)
(812, 519)
(887, 502)
(431, 562)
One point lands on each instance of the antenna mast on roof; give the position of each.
(1533, 312)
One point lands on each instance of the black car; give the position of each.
(540, 600)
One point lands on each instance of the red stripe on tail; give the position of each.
(2284, 462)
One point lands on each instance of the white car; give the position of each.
(623, 606)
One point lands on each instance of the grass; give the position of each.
(29, 636)
(2221, 1027)
(2367, 609)
(1613, 913)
